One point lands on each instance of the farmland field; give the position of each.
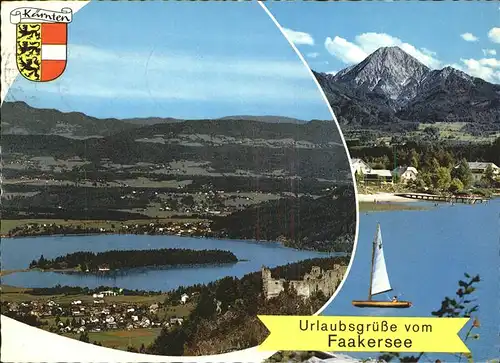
(121, 339)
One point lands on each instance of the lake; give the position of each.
(427, 252)
(17, 253)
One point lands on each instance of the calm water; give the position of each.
(427, 252)
(17, 253)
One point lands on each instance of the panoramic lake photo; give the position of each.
(165, 183)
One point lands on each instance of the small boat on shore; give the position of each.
(379, 280)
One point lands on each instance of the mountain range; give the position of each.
(393, 90)
(22, 119)
(389, 90)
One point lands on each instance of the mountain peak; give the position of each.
(393, 48)
(388, 71)
(449, 70)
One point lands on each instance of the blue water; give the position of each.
(427, 252)
(17, 253)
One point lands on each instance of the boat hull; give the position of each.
(382, 304)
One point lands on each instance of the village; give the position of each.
(187, 229)
(97, 313)
(480, 172)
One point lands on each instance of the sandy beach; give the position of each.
(383, 197)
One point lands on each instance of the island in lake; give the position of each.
(123, 259)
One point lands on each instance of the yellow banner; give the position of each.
(363, 334)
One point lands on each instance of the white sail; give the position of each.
(380, 278)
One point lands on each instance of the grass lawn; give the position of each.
(380, 207)
(121, 339)
(179, 311)
(11, 293)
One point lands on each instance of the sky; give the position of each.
(336, 35)
(177, 59)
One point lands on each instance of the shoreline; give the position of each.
(383, 197)
(113, 233)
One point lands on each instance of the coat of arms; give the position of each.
(41, 42)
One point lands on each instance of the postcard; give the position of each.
(221, 181)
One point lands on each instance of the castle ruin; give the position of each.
(316, 280)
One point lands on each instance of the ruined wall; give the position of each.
(316, 280)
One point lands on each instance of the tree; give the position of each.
(443, 178)
(463, 173)
(432, 132)
(489, 176)
(42, 261)
(424, 179)
(359, 176)
(414, 157)
(456, 186)
(435, 165)
(84, 337)
(461, 306)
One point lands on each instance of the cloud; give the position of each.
(428, 52)
(469, 37)
(313, 55)
(494, 35)
(367, 43)
(299, 38)
(346, 51)
(485, 68)
(490, 62)
(180, 77)
(489, 52)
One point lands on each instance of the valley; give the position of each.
(164, 176)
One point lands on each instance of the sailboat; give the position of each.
(379, 279)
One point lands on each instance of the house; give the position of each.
(153, 308)
(145, 322)
(360, 167)
(184, 298)
(380, 176)
(478, 169)
(405, 173)
(108, 293)
(76, 302)
(177, 321)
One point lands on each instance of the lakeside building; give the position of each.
(360, 167)
(369, 174)
(478, 170)
(381, 176)
(405, 173)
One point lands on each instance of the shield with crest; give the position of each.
(41, 43)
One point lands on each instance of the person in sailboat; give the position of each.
(394, 299)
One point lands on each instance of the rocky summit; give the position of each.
(392, 88)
